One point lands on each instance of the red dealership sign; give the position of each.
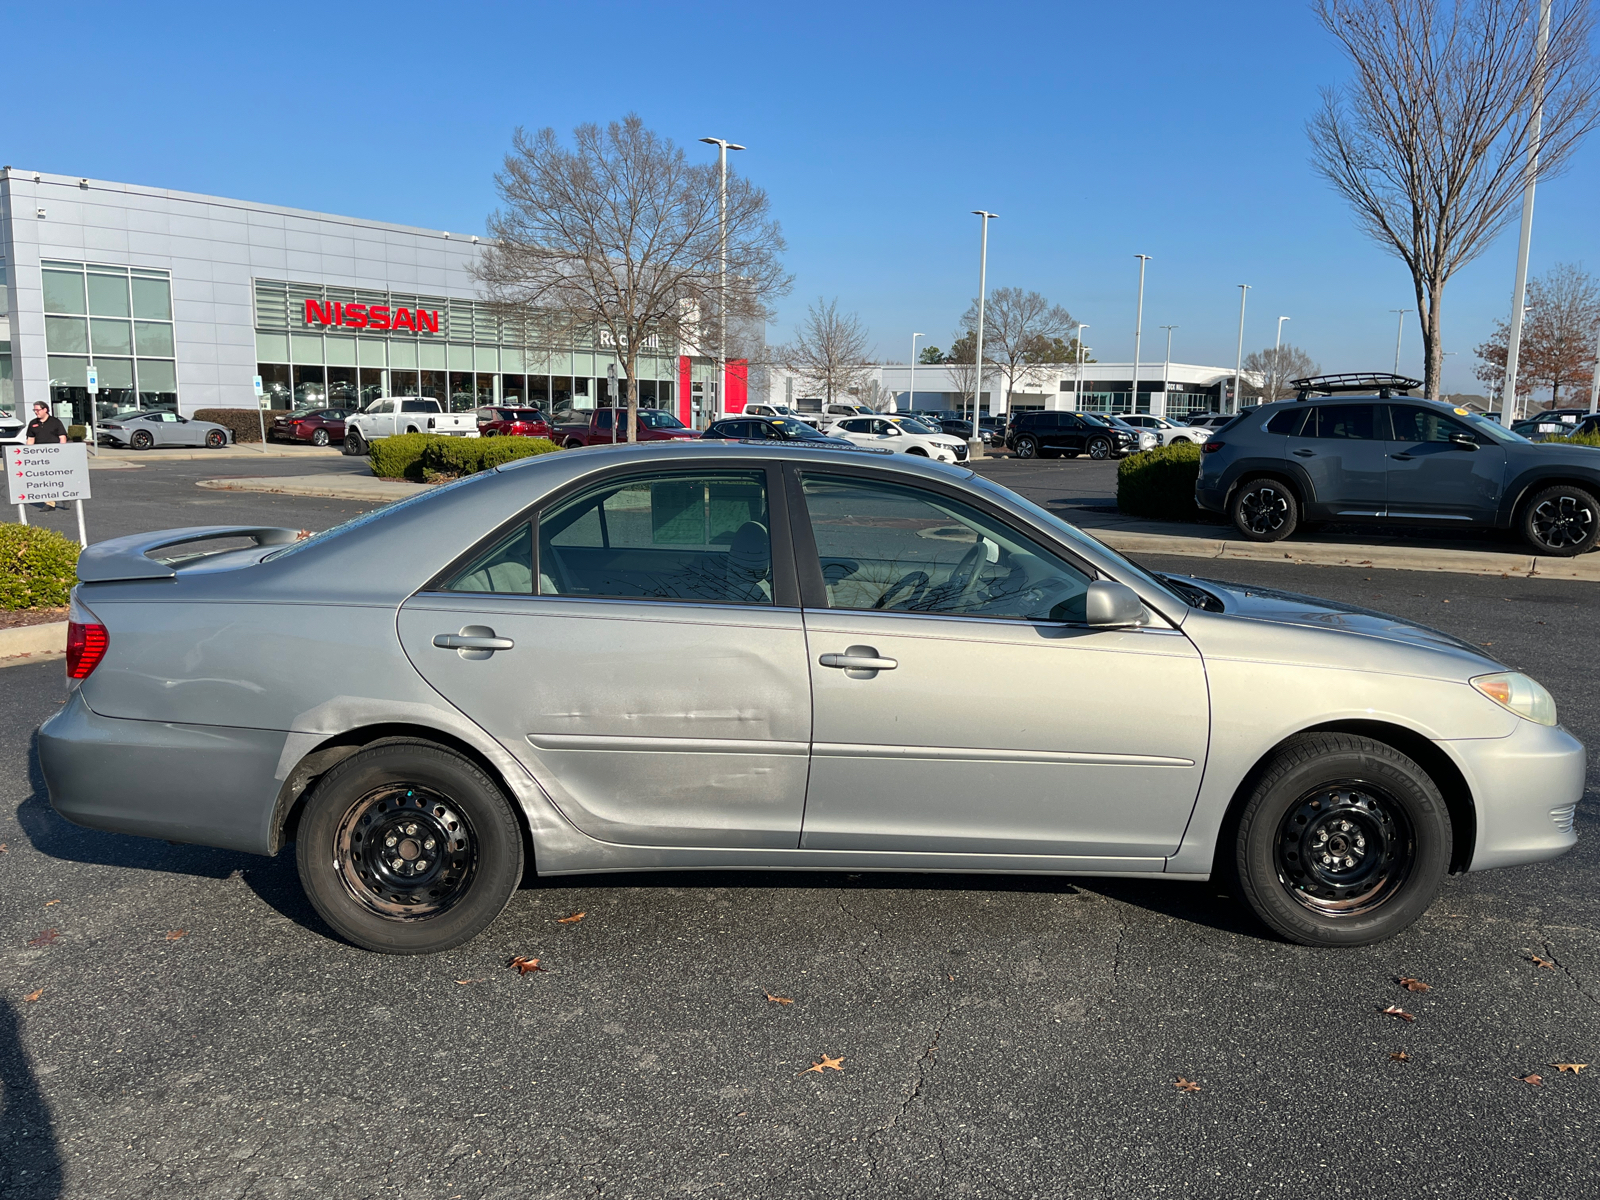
(371, 316)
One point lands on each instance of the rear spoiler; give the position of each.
(129, 557)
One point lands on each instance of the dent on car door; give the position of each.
(639, 656)
(960, 703)
(1441, 469)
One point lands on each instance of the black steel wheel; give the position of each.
(1562, 521)
(319, 437)
(1027, 447)
(354, 443)
(408, 848)
(1264, 510)
(142, 439)
(216, 439)
(1344, 841)
(1099, 448)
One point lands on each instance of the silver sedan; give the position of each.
(725, 655)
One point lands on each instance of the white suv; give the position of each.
(900, 433)
(1166, 432)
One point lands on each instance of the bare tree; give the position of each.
(1558, 335)
(619, 234)
(963, 371)
(1019, 329)
(1276, 367)
(830, 350)
(1428, 142)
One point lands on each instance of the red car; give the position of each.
(513, 422)
(319, 426)
(655, 425)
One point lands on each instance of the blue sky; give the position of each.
(1096, 131)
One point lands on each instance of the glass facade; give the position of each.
(120, 320)
(328, 345)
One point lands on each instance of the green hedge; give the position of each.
(37, 567)
(420, 456)
(1581, 439)
(1159, 483)
(244, 422)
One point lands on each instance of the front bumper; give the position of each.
(1525, 788)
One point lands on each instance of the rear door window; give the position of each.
(1349, 422)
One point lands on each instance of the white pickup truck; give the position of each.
(404, 414)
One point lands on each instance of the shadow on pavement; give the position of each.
(30, 1160)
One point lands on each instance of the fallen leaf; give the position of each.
(779, 999)
(1535, 1080)
(524, 965)
(831, 1064)
(1186, 1085)
(1562, 1068)
(48, 903)
(1414, 985)
(1394, 1010)
(32, 996)
(1485, 643)
(174, 934)
(1399, 1056)
(1541, 962)
(464, 982)
(4, 849)
(48, 938)
(572, 920)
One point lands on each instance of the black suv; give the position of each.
(1049, 434)
(1384, 456)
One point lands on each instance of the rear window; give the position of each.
(1348, 422)
(1289, 421)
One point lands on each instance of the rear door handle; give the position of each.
(1304, 453)
(473, 642)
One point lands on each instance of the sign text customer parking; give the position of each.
(47, 474)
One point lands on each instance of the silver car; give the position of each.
(158, 427)
(715, 654)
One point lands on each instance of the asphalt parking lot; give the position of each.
(176, 1021)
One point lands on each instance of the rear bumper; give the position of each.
(1525, 789)
(202, 784)
(1212, 499)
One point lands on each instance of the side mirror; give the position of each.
(1463, 441)
(1112, 603)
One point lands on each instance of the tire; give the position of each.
(142, 439)
(1264, 510)
(1099, 448)
(216, 439)
(1324, 794)
(354, 443)
(1561, 521)
(1027, 447)
(319, 437)
(572, 444)
(416, 795)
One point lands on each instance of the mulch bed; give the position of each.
(12, 618)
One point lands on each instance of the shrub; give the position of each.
(37, 567)
(417, 456)
(1581, 439)
(77, 433)
(244, 422)
(1159, 483)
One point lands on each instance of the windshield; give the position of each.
(913, 425)
(1492, 427)
(654, 418)
(1094, 420)
(793, 428)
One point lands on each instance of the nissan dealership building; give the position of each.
(179, 301)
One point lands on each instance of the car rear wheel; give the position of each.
(1561, 521)
(1099, 448)
(1027, 447)
(319, 437)
(141, 439)
(1344, 841)
(1264, 510)
(216, 439)
(407, 848)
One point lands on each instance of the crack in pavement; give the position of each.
(1549, 952)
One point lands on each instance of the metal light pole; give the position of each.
(723, 146)
(1399, 329)
(1077, 384)
(1508, 398)
(1138, 329)
(975, 444)
(911, 393)
(1277, 355)
(1166, 371)
(1238, 366)
(1594, 384)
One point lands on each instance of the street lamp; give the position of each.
(1166, 371)
(1277, 355)
(975, 445)
(911, 393)
(1138, 328)
(1077, 384)
(1238, 366)
(1594, 384)
(1399, 329)
(723, 146)
(1519, 292)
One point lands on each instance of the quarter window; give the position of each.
(892, 548)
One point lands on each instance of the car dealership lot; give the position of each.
(1007, 1037)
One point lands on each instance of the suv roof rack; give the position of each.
(1382, 382)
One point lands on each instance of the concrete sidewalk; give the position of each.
(337, 487)
(108, 455)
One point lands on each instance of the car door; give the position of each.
(961, 705)
(632, 645)
(1441, 469)
(1344, 453)
(1071, 433)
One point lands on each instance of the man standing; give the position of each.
(44, 430)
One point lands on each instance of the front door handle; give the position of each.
(1304, 453)
(859, 662)
(473, 642)
(1401, 457)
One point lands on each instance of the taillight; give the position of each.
(1213, 447)
(86, 646)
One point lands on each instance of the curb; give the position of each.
(383, 491)
(246, 451)
(33, 640)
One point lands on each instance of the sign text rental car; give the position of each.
(47, 474)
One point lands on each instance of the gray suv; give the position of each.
(1396, 460)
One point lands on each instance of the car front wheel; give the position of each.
(407, 848)
(1344, 841)
(1561, 521)
(1099, 448)
(1264, 510)
(354, 443)
(216, 439)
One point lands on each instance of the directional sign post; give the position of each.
(49, 474)
(94, 395)
(261, 412)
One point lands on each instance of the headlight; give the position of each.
(1523, 696)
